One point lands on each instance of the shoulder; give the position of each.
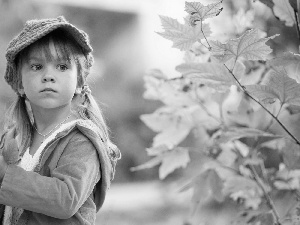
(72, 140)
(76, 139)
(73, 149)
(79, 131)
(85, 127)
(85, 133)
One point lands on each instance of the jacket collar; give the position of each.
(108, 154)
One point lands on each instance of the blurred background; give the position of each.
(126, 45)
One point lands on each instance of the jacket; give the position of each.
(70, 181)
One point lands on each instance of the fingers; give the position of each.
(11, 152)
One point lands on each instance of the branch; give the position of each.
(174, 78)
(267, 196)
(199, 40)
(297, 23)
(209, 47)
(271, 114)
(271, 122)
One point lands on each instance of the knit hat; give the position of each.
(35, 30)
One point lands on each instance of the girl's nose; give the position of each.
(48, 77)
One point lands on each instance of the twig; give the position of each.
(297, 23)
(209, 47)
(267, 196)
(175, 78)
(199, 40)
(271, 114)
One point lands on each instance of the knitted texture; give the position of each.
(33, 31)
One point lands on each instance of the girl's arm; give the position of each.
(70, 183)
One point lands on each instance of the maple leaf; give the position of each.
(235, 133)
(239, 187)
(174, 159)
(286, 59)
(157, 150)
(183, 36)
(157, 73)
(149, 164)
(287, 179)
(294, 4)
(227, 156)
(293, 214)
(236, 109)
(212, 74)
(243, 20)
(278, 85)
(207, 184)
(199, 12)
(257, 217)
(291, 155)
(173, 125)
(169, 160)
(293, 109)
(264, 93)
(264, 219)
(200, 190)
(216, 185)
(159, 89)
(249, 46)
(268, 3)
(284, 11)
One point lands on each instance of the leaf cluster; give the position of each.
(240, 104)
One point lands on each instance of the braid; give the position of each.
(88, 109)
(17, 117)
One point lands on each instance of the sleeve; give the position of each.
(61, 194)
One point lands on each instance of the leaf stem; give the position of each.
(175, 78)
(199, 40)
(267, 196)
(271, 114)
(209, 47)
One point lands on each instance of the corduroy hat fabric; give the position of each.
(33, 31)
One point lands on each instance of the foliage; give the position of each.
(236, 101)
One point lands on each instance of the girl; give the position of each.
(57, 160)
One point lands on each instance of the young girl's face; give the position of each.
(48, 82)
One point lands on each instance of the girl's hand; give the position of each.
(11, 151)
(3, 167)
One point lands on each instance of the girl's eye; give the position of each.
(36, 67)
(62, 67)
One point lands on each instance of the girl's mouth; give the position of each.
(48, 90)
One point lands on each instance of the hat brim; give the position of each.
(35, 30)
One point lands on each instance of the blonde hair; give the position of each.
(17, 116)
